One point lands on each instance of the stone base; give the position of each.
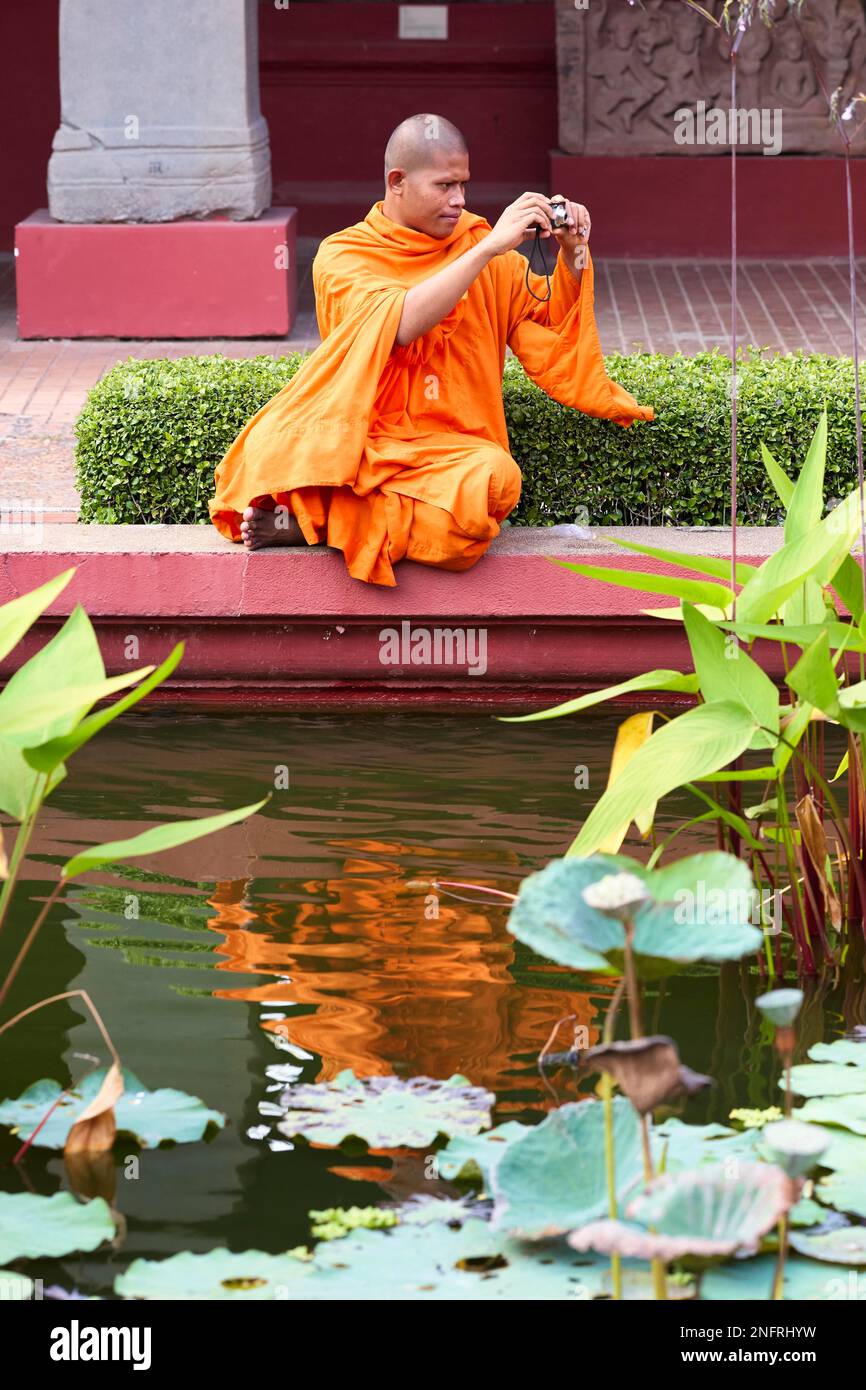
(194, 278)
(666, 206)
(289, 625)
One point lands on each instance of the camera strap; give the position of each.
(536, 245)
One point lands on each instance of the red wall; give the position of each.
(336, 80)
(29, 107)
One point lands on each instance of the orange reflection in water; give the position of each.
(393, 987)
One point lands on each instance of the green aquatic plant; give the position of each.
(385, 1111)
(47, 713)
(751, 1118)
(796, 1148)
(157, 1117)
(34, 1227)
(334, 1223)
(781, 1007)
(804, 851)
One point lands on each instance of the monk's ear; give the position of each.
(396, 180)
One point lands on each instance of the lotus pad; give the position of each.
(153, 1117)
(32, 1226)
(385, 1111)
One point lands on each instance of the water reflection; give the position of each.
(306, 941)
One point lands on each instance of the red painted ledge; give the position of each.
(290, 625)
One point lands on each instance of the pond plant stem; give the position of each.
(636, 1028)
(609, 1150)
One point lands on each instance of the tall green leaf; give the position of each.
(159, 838)
(22, 716)
(17, 616)
(46, 756)
(651, 680)
(697, 590)
(727, 672)
(714, 565)
(814, 678)
(807, 500)
(817, 554)
(778, 477)
(704, 739)
(839, 634)
(848, 583)
(71, 658)
(791, 734)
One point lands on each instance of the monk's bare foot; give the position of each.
(260, 527)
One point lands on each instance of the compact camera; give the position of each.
(559, 216)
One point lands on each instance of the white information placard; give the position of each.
(423, 22)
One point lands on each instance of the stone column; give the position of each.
(160, 115)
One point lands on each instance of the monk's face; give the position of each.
(429, 199)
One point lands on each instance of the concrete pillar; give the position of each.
(160, 115)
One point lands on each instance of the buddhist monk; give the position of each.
(390, 441)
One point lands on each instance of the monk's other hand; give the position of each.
(519, 221)
(576, 231)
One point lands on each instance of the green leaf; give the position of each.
(791, 735)
(778, 477)
(702, 1211)
(250, 1276)
(46, 756)
(23, 716)
(690, 1146)
(466, 1152)
(701, 740)
(752, 1280)
(700, 909)
(159, 838)
(71, 658)
(845, 1190)
(651, 680)
(827, 1079)
(387, 1112)
(727, 672)
(844, 1050)
(553, 1178)
(845, 1245)
(32, 1227)
(802, 635)
(19, 615)
(848, 583)
(697, 590)
(806, 503)
(713, 565)
(814, 678)
(551, 916)
(153, 1117)
(409, 1263)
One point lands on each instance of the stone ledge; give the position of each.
(290, 623)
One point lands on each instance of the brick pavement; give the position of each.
(657, 306)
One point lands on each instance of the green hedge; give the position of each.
(151, 433)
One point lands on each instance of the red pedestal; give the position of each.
(669, 205)
(193, 278)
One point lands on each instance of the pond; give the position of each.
(308, 939)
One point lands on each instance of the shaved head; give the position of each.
(419, 140)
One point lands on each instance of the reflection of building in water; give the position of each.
(390, 989)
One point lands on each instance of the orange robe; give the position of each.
(402, 452)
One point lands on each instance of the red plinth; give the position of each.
(193, 278)
(678, 205)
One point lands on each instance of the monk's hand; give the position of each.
(574, 236)
(519, 221)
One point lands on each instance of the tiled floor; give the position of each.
(657, 306)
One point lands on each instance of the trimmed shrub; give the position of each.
(152, 432)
